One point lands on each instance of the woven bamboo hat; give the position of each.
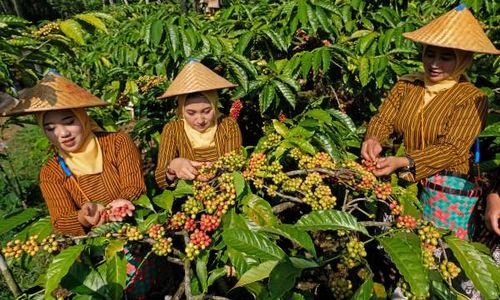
(54, 92)
(195, 77)
(457, 29)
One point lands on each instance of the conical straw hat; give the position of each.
(54, 92)
(457, 29)
(195, 77)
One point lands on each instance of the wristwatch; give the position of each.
(411, 165)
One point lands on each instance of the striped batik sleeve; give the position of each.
(231, 135)
(129, 167)
(466, 123)
(381, 125)
(62, 209)
(166, 153)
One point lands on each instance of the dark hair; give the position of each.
(195, 95)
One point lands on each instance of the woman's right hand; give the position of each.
(184, 168)
(90, 213)
(370, 149)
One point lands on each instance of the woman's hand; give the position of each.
(387, 165)
(90, 213)
(492, 213)
(185, 168)
(120, 208)
(370, 149)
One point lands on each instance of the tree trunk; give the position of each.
(9, 279)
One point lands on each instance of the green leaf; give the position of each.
(316, 62)
(201, 271)
(365, 291)
(280, 128)
(113, 247)
(303, 145)
(301, 263)
(92, 20)
(404, 251)
(182, 189)
(311, 16)
(366, 41)
(296, 235)
(243, 42)
(282, 279)
(329, 220)
(473, 263)
(411, 204)
(238, 72)
(299, 132)
(156, 32)
(150, 220)
(60, 266)
(259, 210)
(173, 37)
(364, 71)
(286, 92)
(11, 223)
(306, 62)
(116, 275)
(144, 201)
(320, 115)
(266, 97)
(73, 30)
(252, 243)
(42, 228)
(256, 273)
(216, 274)
(239, 183)
(164, 200)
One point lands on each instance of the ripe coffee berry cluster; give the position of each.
(177, 221)
(369, 165)
(407, 221)
(396, 208)
(383, 190)
(156, 231)
(209, 222)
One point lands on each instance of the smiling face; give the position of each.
(439, 63)
(63, 129)
(198, 112)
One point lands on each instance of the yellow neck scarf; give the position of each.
(87, 159)
(206, 138)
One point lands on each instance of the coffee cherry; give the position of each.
(163, 246)
(156, 231)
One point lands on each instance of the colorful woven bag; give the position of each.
(448, 200)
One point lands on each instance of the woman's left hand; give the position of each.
(492, 213)
(120, 208)
(387, 165)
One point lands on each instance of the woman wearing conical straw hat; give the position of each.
(439, 113)
(200, 134)
(94, 175)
